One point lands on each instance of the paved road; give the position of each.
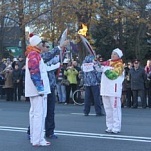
(76, 132)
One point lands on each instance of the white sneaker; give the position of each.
(43, 143)
(115, 132)
(108, 130)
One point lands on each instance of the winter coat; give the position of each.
(148, 73)
(112, 78)
(51, 58)
(71, 74)
(91, 76)
(8, 78)
(138, 78)
(17, 75)
(127, 78)
(36, 78)
(21, 63)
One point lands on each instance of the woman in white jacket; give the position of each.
(111, 89)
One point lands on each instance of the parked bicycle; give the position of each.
(78, 96)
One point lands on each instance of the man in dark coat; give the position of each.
(138, 78)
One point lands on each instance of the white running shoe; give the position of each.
(115, 132)
(108, 130)
(43, 143)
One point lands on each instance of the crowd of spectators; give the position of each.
(137, 85)
(12, 73)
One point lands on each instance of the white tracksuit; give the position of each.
(38, 103)
(111, 95)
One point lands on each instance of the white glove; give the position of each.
(53, 66)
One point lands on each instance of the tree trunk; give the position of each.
(81, 52)
(140, 33)
(2, 30)
(1, 35)
(120, 27)
(22, 26)
(23, 38)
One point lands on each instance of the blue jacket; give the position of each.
(92, 77)
(48, 56)
(51, 58)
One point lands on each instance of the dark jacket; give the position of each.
(127, 81)
(17, 75)
(138, 78)
(21, 64)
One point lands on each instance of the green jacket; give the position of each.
(71, 74)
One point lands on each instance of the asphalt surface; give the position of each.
(75, 131)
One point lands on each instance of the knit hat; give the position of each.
(119, 52)
(34, 40)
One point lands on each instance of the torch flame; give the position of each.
(83, 31)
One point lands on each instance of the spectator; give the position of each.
(148, 83)
(21, 64)
(3, 64)
(71, 74)
(21, 61)
(61, 88)
(124, 90)
(2, 79)
(14, 62)
(17, 75)
(2, 82)
(23, 79)
(129, 95)
(8, 86)
(8, 62)
(138, 78)
(75, 65)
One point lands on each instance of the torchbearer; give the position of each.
(111, 89)
(36, 88)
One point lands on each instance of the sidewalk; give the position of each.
(23, 99)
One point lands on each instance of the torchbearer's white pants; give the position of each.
(112, 106)
(37, 116)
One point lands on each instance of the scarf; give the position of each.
(30, 49)
(117, 70)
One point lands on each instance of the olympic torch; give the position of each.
(82, 32)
